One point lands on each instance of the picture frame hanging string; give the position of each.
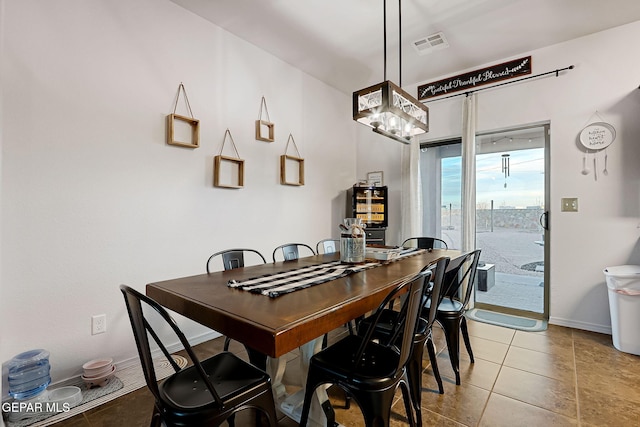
(186, 100)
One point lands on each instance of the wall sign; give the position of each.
(597, 136)
(495, 73)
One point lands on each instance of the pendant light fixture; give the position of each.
(385, 107)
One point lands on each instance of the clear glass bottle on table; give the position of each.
(352, 241)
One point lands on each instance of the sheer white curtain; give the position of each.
(411, 198)
(469, 173)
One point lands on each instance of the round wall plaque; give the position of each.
(597, 136)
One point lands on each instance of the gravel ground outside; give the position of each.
(516, 256)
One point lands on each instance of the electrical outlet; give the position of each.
(569, 204)
(98, 324)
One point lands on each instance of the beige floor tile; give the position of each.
(483, 348)
(623, 383)
(463, 403)
(502, 411)
(429, 419)
(490, 332)
(548, 393)
(602, 409)
(481, 374)
(557, 331)
(560, 344)
(353, 417)
(559, 366)
(597, 348)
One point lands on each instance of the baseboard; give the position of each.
(135, 360)
(602, 329)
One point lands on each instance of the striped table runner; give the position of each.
(274, 285)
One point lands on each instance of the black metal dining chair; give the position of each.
(422, 337)
(458, 286)
(328, 246)
(371, 371)
(291, 251)
(425, 243)
(208, 392)
(233, 258)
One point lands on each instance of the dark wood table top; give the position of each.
(276, 326)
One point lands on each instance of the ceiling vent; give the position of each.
(430, 43)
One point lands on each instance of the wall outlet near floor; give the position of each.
(569, 204)
(98, 324)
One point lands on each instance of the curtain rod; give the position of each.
(469, 92)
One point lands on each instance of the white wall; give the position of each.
(93, 197)
(606, 229)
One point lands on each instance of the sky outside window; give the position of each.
(524, 185)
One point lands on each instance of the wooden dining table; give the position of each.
(276, 326)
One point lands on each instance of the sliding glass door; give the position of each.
(511, 200)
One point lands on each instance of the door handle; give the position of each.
(544, 224)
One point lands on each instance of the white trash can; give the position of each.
(623, 283)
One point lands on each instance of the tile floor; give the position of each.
(559, 377)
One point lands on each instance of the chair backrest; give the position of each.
(438, 269)
(290, 251)
(412, 291)
(134, 301)
(425, 243)
(328, 246)
(462, 278)
(233, 258)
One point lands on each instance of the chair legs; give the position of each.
(156, 418)
(227, 341)
(452, 326)
(465, 336)
(414, 373)
(375, 407)
(434, 364)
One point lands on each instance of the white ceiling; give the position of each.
(340, 42)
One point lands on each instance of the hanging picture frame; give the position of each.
(175, 121)
(265, 130)
(231, 166)
(297, 161)
(375, 179)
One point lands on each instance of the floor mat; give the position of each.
(507, 320)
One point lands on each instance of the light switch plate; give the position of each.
(569, 204)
